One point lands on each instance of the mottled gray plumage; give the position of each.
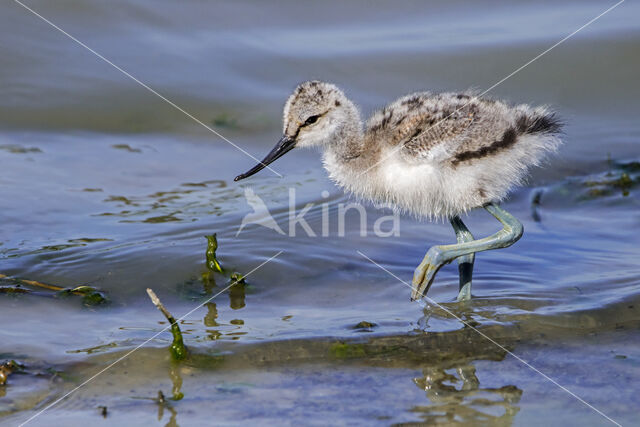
(431, 155)
(474, 127)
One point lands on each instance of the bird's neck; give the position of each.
(345, 154)
(347, 141)
(346, 146)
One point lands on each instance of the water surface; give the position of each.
(104, 183)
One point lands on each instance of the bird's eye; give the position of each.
(311, 120)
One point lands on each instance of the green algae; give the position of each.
(90, 296)
(343, 350)
(620, 178)
(225, 120)
(126, 147)
(161, 219)
(121, 199)
(207, 278)
(178, 349)
(8, 368)
(19, 149)
(89, 240)
(237, 278)
(14, 290)
(212, 247)
(95, 349)
(365, 325)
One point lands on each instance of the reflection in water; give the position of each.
(459, 310)
(236, 296)
(236, 302)
(454, 389)
(200, 289)
(176, 380)
(457, 397)
(212, 314)
(208, 282)
(210, 319)
(162, 405)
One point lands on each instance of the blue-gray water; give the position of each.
(102, 182)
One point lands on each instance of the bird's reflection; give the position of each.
(454, 389)
(457, 398)
(458, 311)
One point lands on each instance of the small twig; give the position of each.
(31, 282)
(77, 290)
(40, 284)
(178, 349)
(156, 301)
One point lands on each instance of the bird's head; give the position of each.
(315, 114)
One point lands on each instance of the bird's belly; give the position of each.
(422, 189)
(426, 189)
(413, 188)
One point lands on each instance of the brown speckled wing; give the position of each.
(420, 122)
(430, 129)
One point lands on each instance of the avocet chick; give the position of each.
(429, 155)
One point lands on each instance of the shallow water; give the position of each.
(106, 184)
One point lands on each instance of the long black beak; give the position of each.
(282, 147)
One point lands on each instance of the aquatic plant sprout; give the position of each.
(178, 349)
(127, 354)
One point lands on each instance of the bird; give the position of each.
(434, 156)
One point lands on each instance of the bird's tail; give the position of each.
(539, 121)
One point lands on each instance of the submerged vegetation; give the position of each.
(212, 261)
(621, 178)
(445, 362)
(614, 184)
(126, 147)
(178, 349)
(189, 201)
(225, 120)
(236, 286)
(7, 368)
(90, 296)
(19, 149)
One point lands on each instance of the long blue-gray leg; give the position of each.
(440, 255)
(465, 262)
